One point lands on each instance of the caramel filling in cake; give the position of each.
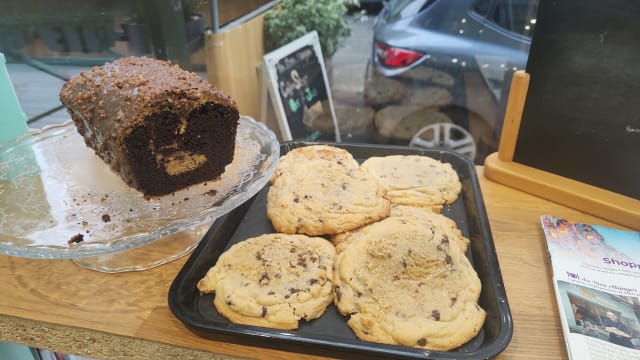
(171, 149)
(181, 162)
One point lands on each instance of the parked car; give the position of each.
(477, 43)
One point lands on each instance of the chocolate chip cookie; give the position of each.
(415, 180)
(272, 280)
(320, 196)
(400, 284)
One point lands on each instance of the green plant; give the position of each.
(294, 18)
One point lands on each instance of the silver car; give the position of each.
(478, 43)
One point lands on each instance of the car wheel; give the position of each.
(448, 136)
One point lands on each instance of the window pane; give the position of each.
(524, 16)
(405, 65)
(482, 7)
(501, 14)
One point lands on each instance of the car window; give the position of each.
(481, 7)
(524, 13)
(518, 16)
(400, 9)
(500, 15)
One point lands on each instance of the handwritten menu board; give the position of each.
(299, 88)
(581, 119)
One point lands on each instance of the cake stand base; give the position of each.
(148, 256)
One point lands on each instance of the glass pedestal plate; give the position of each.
(58, 200)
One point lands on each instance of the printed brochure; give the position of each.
(596, 275)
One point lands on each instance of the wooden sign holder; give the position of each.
(501, 168)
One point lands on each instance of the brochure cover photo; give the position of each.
(596, 273)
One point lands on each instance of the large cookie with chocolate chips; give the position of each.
(321, 196)
(431, 220)
(272, 280)
(400, 284)
(415, 180)
(313, 153)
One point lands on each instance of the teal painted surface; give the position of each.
(13, 121)
(10, 351)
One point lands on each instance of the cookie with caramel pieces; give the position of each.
(399, 284)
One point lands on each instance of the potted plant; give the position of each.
(294, 18)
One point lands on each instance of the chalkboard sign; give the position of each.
(299, 88)
(582, 114)
(572, 125)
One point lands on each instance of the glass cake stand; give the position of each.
(58, 200)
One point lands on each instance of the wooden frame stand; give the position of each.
(501, 168)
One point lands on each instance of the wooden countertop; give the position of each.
(55, 304)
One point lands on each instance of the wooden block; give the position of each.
(608, 205)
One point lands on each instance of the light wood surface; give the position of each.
(55, 304)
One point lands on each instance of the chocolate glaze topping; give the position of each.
(110, 102)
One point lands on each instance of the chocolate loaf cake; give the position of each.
(159, 127)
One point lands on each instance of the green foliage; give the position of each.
(294, 18)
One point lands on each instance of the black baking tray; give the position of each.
(329, 335)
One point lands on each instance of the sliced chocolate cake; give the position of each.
(159, 127)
